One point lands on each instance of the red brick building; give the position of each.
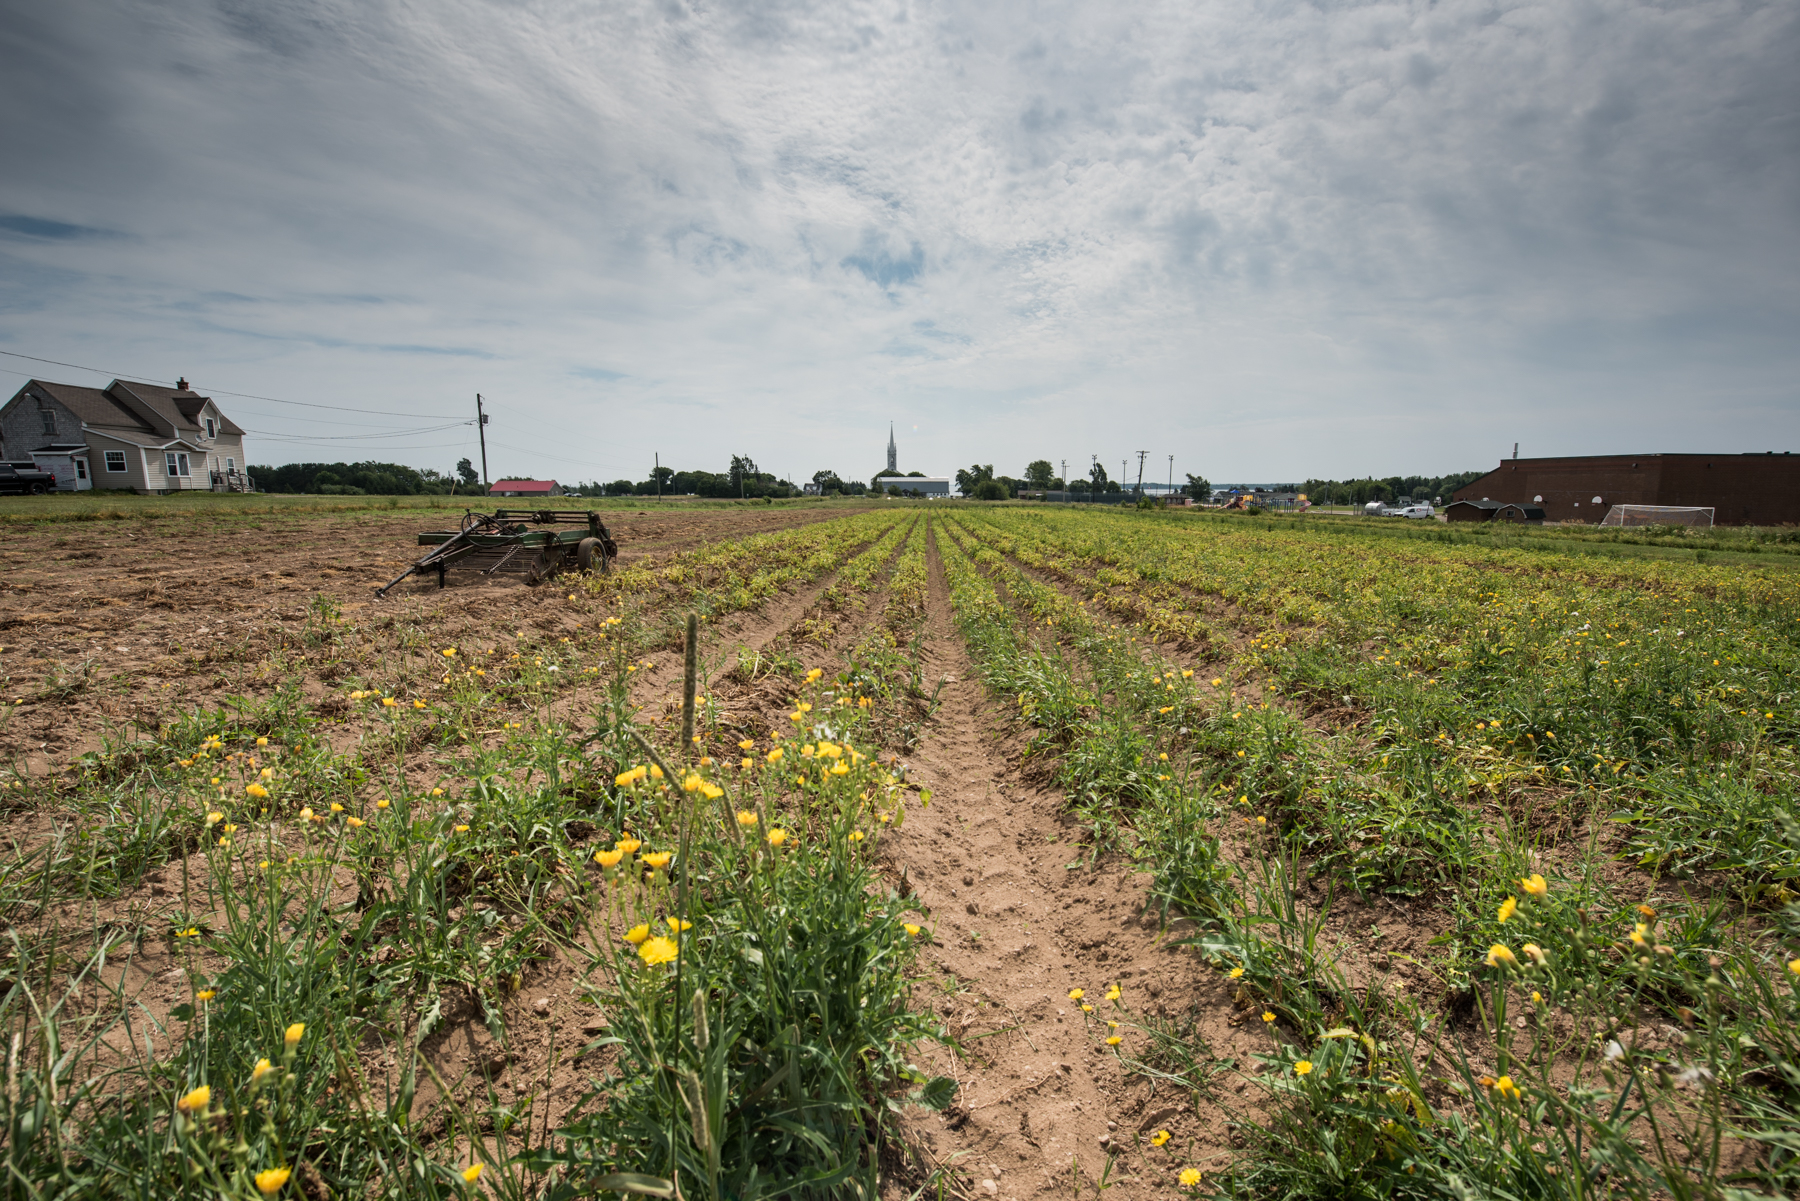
(1745, 489)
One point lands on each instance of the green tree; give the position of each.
(1039, 473)
(465, 471)
(990, 489)
(1097, 474)
(1198, 488)
(967, 479)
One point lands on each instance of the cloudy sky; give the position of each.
(1272, 239)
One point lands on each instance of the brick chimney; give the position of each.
(182, 384)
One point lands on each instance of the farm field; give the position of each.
(1015, 852)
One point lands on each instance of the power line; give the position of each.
(432, 429)
(305, 404)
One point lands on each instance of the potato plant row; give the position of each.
(1570, 975)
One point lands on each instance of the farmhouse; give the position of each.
(525, 488)
(1743, 489)
(145, 437)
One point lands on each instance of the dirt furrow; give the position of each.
(1020, 918)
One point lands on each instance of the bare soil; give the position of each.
(104, 624)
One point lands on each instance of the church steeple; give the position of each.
(893, 451)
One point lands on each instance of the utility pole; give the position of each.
(1065, 464)
(481, 428)
(1171, 475)
(657, 474)
(1142, 455)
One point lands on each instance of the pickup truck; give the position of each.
(23, 478)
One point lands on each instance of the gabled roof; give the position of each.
(92, 405)
(179, 407)
(522, 485)
(1489, 505)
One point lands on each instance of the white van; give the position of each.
(1423, 512)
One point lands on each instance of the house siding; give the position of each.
(132, 477)
(22, 427)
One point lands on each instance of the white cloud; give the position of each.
(1273, 239)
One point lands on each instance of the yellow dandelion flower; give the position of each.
(463, 829)
(1075, 994)
(195, 1100)
(336, 808)
(658, 950)
(257, 791)
(608, 858)
(856, 836)
(1499, 954)
(775, 755)
(1534, 885)
(472, 1173)
(1113, 1040)
(911, 929)
(449, 652)
(388, 702)
(1267, 1016)
(263, 1068)
(628, 845)
(1086, 1008)
(1506, 1088)
(637, 934)
(1794, 966)
(658, 859)
(776, 836)
(1637, 935)
(293, 1034)
(1508, 907)
(1112, 994)
(1190, 1177)
(678, 925)
(270, 1180)
(747, 745)
(746, 819)
(205, 994)
(1160, 1137)
(1236, 973)
(382, 803)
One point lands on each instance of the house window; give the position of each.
(115, 460)
(209, 427)
(80, 469)
(175, 464)
(230, 463)
(49, 416)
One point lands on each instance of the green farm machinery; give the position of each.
(523, 542)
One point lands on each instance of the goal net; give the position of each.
(1658, 515)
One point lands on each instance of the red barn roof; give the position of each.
(525, 487)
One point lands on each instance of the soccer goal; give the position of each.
(1626, 515)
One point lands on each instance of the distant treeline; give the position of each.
(358, 479)
(1392, 490)
(740, 479)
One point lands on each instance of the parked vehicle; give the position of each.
(1420, 512)
(24, 477)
